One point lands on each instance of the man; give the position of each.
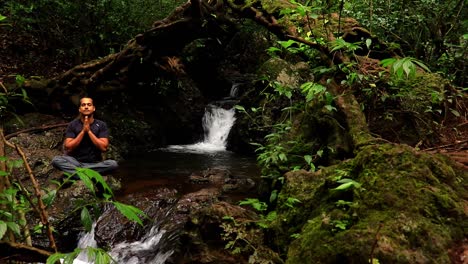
(86, 139)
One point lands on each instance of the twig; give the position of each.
(42, 209)
(448, 145)
(23, 252)
(41, 128)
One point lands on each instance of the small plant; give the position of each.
(261, 207)
(347, 184)
(403, 67)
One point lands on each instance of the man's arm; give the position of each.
(100, 143)
(71, 143)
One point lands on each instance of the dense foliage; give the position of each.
(81, 30)
(430, 30)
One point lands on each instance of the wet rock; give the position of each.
(213, 176)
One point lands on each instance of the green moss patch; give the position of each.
(402, 206)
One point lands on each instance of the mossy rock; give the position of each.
(404, 206)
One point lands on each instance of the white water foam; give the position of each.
(217, 123)
(138, 250)
(128, 253)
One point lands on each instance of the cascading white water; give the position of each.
(217, 122)
(145, 251)
(136, 252)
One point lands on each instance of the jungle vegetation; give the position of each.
(415, 50)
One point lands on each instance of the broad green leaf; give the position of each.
(308, 158)
(408, 67)
(13, 227)
(287, 44)
(4, 173)
(387, 62)
(85, 179)
(2, 17)
(3, 229)
(55, 258)
(86, 219)
(131, 212)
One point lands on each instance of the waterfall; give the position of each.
(217, 123)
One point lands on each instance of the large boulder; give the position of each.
(390, 203)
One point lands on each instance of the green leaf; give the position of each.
(240, 108)
(55, 258)
(49, 197)
(4, 173)
(20, 80)
(86, 219)
(13, 227)
(2, 17)
(346, 184)
(422, 65)
(387, 62)
(131, 212)
(455, 112)
(271, 216)
(308, 158)
(88, 175)
(368, 43)
(3, 229)
(287, 44)
(15, 163)
(273, 196)
(85, 179)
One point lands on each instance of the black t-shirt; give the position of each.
(86, 150)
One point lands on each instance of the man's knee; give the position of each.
(57, 161)
(111, 164)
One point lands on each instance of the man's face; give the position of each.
(86, 107)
